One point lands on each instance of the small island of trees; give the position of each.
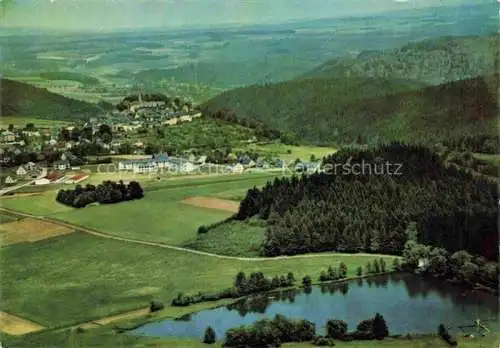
(106, 193)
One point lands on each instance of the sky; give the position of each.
(130, 14)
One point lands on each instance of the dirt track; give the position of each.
(172, 247)
(213, 203)
(16, 326)
(107, 320)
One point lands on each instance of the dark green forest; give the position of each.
(433, 61)
(366, 200)
(21, 99)
(341, 111)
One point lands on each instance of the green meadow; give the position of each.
(78, 277)
(160, 216)
(106, 338)
(234, 238)
(290, 153)
(22, 121)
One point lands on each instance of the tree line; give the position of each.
(106, 193)
(261, 128)
(480, 143)
(255, 283)
(459, 267)
(274, 332)
(338, 210)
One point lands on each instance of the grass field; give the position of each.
(493, 158)
(106, 338)
(234, 238)
(4, 218)
(21, 121)
(29, 230)
(77, 277)
(160, 216)
(288, 152)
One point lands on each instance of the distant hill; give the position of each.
(22, 99)
(368, 110)
(70, 76)
(433, 61)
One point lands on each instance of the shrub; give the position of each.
(446, 336)
(306, 282)
(359, 271)
(155, 306)
(336, 329)
(202, 229)
(396, 265)
(209, 337)
(380, 330)
(323, 341)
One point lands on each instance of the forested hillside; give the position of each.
(21, 99)
(433, 61)
(368, 110)
(371, 207)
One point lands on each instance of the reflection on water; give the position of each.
(409, 305)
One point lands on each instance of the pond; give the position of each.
(409, 304)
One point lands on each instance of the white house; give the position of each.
(237, 168)
(9, 180)
(30, 166)
(21, 171)
(61, 165)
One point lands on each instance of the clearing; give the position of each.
(213, 203)
(16, 326)
(30, 230)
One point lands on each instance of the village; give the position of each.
(70, 152)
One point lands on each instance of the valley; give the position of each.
(312, 182)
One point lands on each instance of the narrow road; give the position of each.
(177, 248)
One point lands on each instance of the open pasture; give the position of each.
(75, 278)
(290, 153)
(160, 216)
(21, 122)
(29, 230)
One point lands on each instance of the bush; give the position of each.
(306, 282)
(336, 329)
(209, 337)
(155, 306)
(396, 265)
(359, 271)
(270, 333)
(380, 330)
(323, 341)
(202, 229)
(446, 336)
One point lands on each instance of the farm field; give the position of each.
(160, 216)
(78, 277)
(29, 230)
(234, 238)
(212, 203)
(290, 153)
(4, 218)
(22, 121)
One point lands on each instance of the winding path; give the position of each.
(173, 247)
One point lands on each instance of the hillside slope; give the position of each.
(21, 99)
(344, 110)
(433, 61)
